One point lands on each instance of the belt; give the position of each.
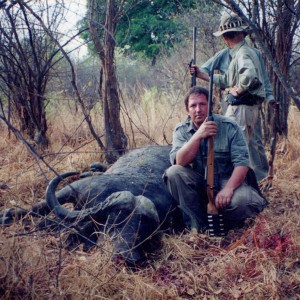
(245, 99)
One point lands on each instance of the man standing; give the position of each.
(185, 178)
(244, 78)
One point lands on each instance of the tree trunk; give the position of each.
(283, 52)
(116, 141)
(41, 126)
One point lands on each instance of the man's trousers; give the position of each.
(188, 189)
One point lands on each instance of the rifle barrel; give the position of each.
(210, 95)
(194, 54)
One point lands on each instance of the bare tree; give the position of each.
(116, 140)
(54, 54)
(27, 57)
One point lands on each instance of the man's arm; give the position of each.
(188, 151)
(237, 178)
(221, 64)
(267, 84)
(199, 74)
(240, 161)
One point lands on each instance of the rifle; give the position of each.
(193, 61)
(215, 220)
(273, 142)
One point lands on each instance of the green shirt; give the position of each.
(230, 146)
(224, 61)
(244, 70)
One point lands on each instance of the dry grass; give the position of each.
(261, 262)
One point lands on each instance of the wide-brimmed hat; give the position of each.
(231, 22)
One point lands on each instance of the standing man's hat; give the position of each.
(231, 22)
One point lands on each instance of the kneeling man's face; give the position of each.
(197, 108)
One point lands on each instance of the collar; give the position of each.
(236, 48)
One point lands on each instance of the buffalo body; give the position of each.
(129, 202)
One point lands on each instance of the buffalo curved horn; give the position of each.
(60, 211)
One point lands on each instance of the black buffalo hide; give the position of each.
(129, 202)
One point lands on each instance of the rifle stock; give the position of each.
(210, 189)
(211, 207)
(216, 226)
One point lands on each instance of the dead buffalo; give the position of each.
(129, 202)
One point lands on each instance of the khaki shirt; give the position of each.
(230, 146)
(244, 71)
(223, 57)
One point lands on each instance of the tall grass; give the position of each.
(152, 114)
(259, 262)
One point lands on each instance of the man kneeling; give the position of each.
(235, 199)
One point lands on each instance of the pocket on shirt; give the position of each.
(220, 145)
(222, 159)
(222, 155)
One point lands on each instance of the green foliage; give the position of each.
(151, 26)
(147, 27)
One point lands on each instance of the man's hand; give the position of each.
(189, 150)
(195, 70)
(207, 129)
(236, 91)
(237, 177)
(223, 197)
